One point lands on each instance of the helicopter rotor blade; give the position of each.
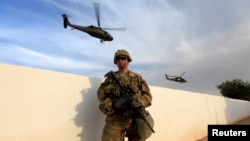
(172, 76)
(97, 13)
(120, 28)
(182, 74)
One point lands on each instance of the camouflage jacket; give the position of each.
(135, 81)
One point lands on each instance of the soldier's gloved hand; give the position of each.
(108, 88)
(106, 106)
(136, 103)
(113, 89)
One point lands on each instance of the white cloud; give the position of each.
(208, 41)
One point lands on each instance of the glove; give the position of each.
(106, 106)
(113, 89)
(136, 103)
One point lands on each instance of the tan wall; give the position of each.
(41, 105)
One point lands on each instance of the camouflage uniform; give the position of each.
(120, 123)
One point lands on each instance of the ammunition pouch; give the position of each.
(143, 129)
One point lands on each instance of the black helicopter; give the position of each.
(176, 78)
(94, 31)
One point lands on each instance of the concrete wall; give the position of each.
(41, 105)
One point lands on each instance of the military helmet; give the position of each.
(122, 52)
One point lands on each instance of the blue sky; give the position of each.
(209, 40)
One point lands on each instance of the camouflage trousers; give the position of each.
(119, 128)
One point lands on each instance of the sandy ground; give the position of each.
(245, 121)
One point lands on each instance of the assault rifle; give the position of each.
(126, 93)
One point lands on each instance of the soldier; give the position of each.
(121, 123)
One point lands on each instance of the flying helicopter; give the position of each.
(176, 78)
(94, 31)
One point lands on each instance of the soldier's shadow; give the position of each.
(88, 116)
